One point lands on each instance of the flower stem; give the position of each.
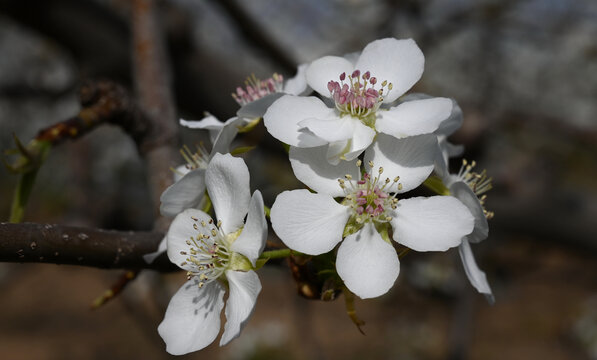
(278, 254)
(21, 196)
(435, 184)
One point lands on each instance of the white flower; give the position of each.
(217, 256)
(314, 223)
(385, 70)
(188, 189)
(254, 100)
(469, 187)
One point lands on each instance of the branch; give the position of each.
(101, 102)
(56, 244)
(153, 85)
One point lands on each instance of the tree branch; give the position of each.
(101, 102)
(153, 85)
(57, 244)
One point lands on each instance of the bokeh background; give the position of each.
(524, 73)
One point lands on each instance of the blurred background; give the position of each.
(523, 72)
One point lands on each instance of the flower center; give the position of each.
(255, 89)
(208, 252)
(368, 198)
(479, 183)
(355, 95)
(195, 160)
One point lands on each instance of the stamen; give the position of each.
(357, 96)
(256, 89)
(479, 183)
(368, 198)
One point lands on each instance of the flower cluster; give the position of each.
(359, 147)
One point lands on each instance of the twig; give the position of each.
(56, 244)
(152, 83)
(102, 102)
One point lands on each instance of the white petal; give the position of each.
(251, 241)
(441, 160)
(192, 320)
(475, 275)
(326, 69)
(330, 130)
(297, 85)
(436, 223)
(257, 108)
(336, 151)
(400, 62)
(350, 149)
(448, 126)
(183, 194)
(367, 264)
(227, 180)
(282, 117)
(244, 288)
(210, 123)
(181, 229)
(448, 150)
(310, 223)
(411, 158)
(414, 117)
(466, 195)
(361, 139)
(221, 144)
(180, 171)
(150, 257)
(312, 169)
(453, 122)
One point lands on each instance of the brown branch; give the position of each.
(153, 86)
(56, 244)
(101, 102)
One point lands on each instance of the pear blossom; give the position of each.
(356, 92)
(218, 256)
(188, 189)
(254, 100)
(368, 210)
(470, 188)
